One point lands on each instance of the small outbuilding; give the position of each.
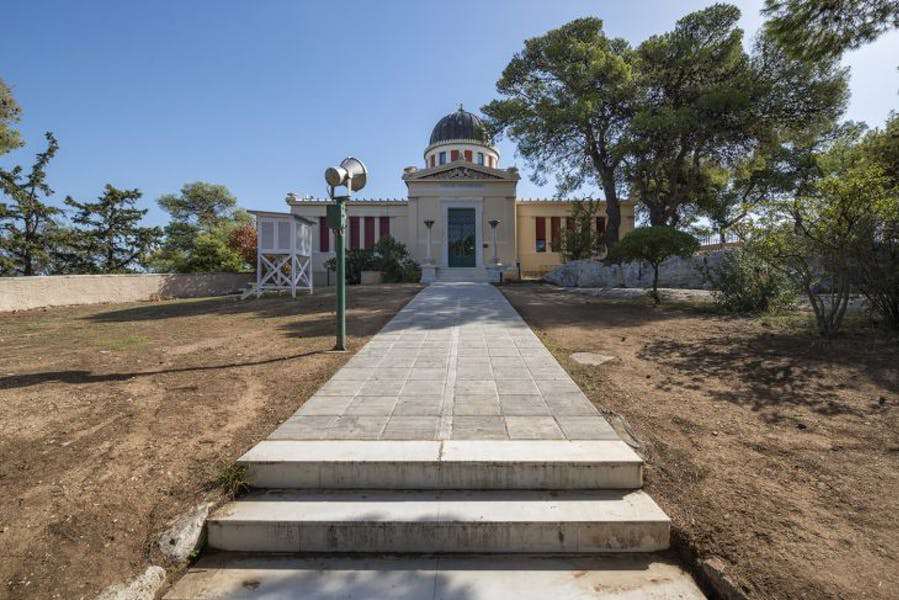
(283, 252)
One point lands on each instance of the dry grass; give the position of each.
(115, 418)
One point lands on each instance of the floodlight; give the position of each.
(351, 172)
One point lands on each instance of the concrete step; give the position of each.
(226, 576)
(441, 522)
(423, 465)
(463, 274)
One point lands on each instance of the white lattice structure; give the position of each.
(283, 252)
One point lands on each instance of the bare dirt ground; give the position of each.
(116, 418)
(769, 447)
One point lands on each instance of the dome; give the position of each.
(460, 125)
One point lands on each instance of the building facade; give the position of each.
(464, 196)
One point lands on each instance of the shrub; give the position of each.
(242, 240)
(876, 270)
(357, 260)
(746, 284)
(388, 256)
(391, 257)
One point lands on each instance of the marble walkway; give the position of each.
(457, 362)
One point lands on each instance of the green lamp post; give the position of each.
(351, 174)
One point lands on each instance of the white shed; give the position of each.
(283, 252)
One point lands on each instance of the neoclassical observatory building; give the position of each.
(460, 191)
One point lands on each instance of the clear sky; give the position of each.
(261, 96)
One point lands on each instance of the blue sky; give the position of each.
(262, 96)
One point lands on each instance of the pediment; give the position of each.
(466, 172)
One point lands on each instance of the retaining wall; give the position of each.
(20, 293)
(674, 272)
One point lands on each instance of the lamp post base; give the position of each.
(428, 273)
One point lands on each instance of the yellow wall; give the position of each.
(533, 262)
(513, 243)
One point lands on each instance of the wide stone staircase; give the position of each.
(518, 501)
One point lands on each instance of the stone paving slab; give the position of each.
(457, 362)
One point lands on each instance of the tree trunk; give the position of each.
(613, 208)
(606, 171)
(655, 283)
(656, 214)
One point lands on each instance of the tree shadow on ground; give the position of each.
(264, 307)
(81, 376)
(766, 371)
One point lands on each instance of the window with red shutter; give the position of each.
(541, 234)
(468, 155)
(433, 160)
(369, 233)
(354, 233)
(454, 155)
(323, 235)
(383, 226)
(555, 226)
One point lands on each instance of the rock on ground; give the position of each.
(142, 587)
(184, 534)
(589, 358)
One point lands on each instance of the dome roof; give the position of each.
(460, 125)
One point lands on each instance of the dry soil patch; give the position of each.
(768, 446)
(116, 418)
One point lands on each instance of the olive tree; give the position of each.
(838, 223)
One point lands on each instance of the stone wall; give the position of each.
(675, 272)
(20, 293)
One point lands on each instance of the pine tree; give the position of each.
(109, 238)
(28, 228)
(9, 114)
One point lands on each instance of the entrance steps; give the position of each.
(460, 274)
(359, 500)
(492, 521)
(443, 465)
(232, 576)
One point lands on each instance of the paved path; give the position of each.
(457, 362)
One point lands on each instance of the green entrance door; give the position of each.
(461, 239)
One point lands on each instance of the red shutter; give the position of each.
(369, 233)
(323, 234)
(383, 226)
(454, 156)
(541, 234)
(433, 160)
(354, 233)
(556, 228)
(600, 224)
(492, 162)
(468, 155)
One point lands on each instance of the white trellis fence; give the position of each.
(283, 253)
